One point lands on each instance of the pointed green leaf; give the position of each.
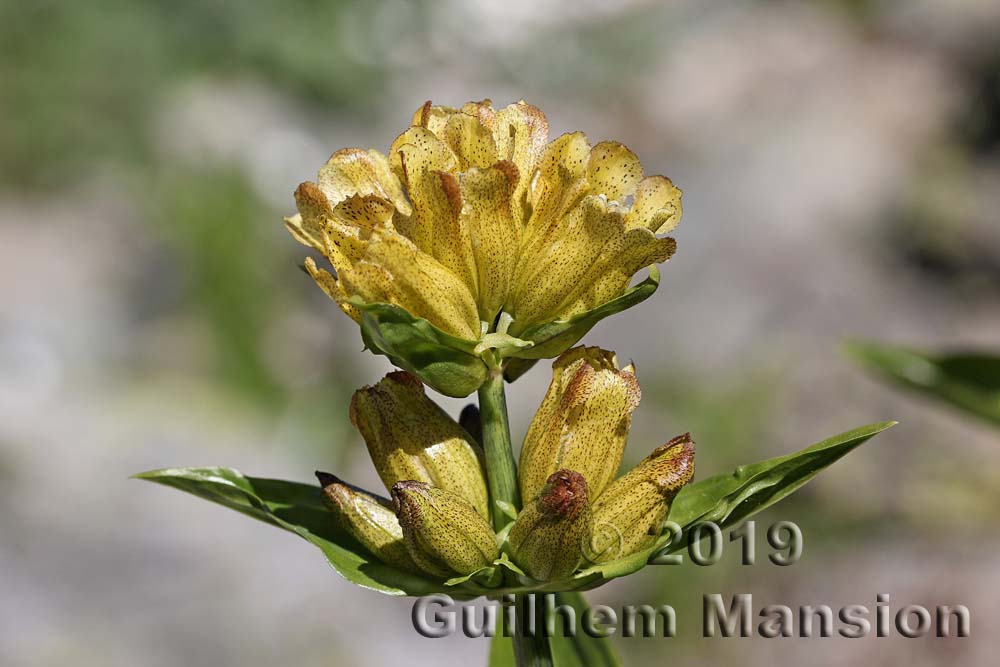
(297, 508)
(443, 362)
(729, 498)
(553, 338)
(969, 381)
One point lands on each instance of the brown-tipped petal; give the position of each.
(444, 534)
(432, 117)
(520, 131)
(550, 534)
(416, 155)
(369, 520)
(629, 515)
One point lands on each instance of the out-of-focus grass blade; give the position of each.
(967, 380)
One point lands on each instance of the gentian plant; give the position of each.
(472, 250)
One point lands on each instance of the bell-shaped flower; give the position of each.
(410, 437)
(582, 423)
(474, 236)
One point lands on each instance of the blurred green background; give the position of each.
(841, 168)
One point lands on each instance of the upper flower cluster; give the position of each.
(478, 225)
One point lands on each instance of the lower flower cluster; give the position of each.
(576, 512)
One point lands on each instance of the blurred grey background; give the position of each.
(841, 168)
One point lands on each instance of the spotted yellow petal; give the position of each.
(368, 212)
(613, 171)
(416, 281)
(314, 209)
(611, 274)
(520, 131)
(432, 117)
(451, 239)
(471, 141)
(415, 155)
(483, 110)
(554, 273)
(558, 186)
(583, 423)
(657, 205)
(354, 171)
(423, 150)
(494, 232)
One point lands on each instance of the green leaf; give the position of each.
(581, 650)
(445, 363)
(489, 576)
(553, 338)
(297, 508)
(969, 381)
(730, 498)
(501, 342)
(501, 648)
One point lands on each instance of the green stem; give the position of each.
(530, 649)
(531, 645)
(501, 473)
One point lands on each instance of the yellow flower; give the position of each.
(409, 437)
(582, 423)
(473, 215)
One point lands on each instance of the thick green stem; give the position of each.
(531, 645)
(500, 471)
(531, 649)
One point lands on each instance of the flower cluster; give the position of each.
(577, 513)
(472, 250)
(477, 236)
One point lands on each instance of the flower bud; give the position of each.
(444, 534)
(629, 515)
(470, 420)
(549, 535)
(410, 437)
(582, 423)
(369, 520)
